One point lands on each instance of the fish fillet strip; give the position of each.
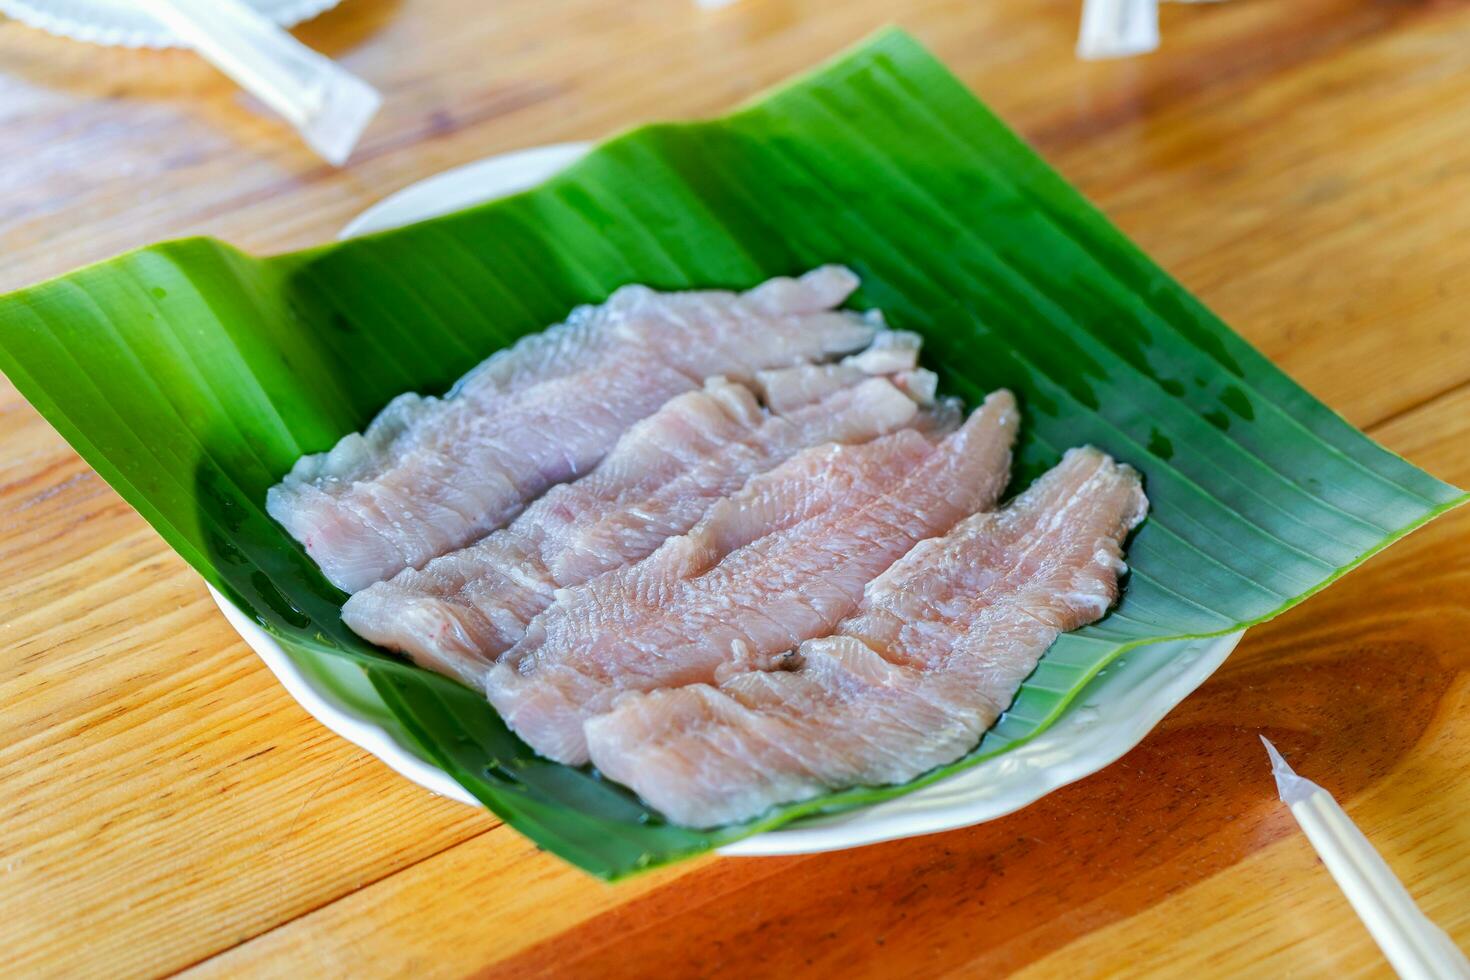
(941, 644)
(433, 474)
(783, 560)
(463, 609)
(892, 353)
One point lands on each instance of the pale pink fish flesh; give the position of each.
(889, 352)
(940, 646)
(919, 384)
(462, 609)
(892, 352)
(433, 474)
(783, 560)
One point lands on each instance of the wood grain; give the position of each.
(1304, 167)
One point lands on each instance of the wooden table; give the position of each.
(1303, 166)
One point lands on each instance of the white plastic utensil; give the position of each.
(1414, 946)
(1118, 28)
(328, 105)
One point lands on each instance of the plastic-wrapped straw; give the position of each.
(1414, 946)
(327, 105)
(1118, 28)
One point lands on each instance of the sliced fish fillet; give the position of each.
(891, 352)
(783, 560)
(936, 652)
(433, 474)
(919, 384)
(464, 608)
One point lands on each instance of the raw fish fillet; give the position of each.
(918, 384)
(462, 609)
(892, 352)
(783, 560)
(430, 474)
(937, 651)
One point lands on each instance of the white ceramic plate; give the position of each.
(1115, 711)
(119, 22)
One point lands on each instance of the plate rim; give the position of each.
(127, 33)
(1009, 782)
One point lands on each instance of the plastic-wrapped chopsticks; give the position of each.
(1414, 946)
(326, 104)
(1118, 28)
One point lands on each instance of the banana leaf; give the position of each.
(192, 376)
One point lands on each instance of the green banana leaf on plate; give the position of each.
(192, 376)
